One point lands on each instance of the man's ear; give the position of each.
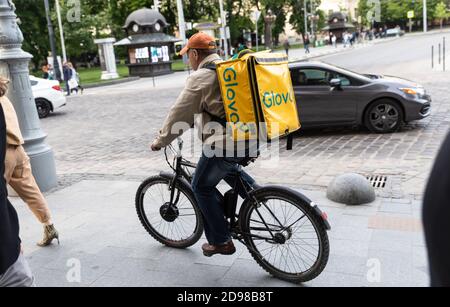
(195, 53)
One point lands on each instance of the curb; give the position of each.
(113, 82)
(339, 50)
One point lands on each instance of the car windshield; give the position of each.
(347, 72)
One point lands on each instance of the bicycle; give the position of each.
(299, 237)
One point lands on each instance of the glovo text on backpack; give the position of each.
(258, 96)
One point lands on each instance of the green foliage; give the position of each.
(395, 11)
(297, 19)
(93, 23)
(105, 18)
(441, 12)
(34, 27)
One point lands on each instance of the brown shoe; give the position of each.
(223, 249)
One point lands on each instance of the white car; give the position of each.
(48, 95)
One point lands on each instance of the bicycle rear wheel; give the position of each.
(177, 226)
(284, 235)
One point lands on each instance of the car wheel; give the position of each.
(43, 108)
(384, 116)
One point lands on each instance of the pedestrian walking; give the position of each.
(67, 74)
(345, 39)
(436, 217)
(14, 269)
(74, 82)
(286, 46)
(334, 41)
(18, 172)
(352, 38)
(306, 42)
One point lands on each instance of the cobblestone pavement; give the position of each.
(107, 132)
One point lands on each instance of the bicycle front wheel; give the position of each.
(284, 235)
(177, 225)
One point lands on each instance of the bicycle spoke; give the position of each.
(299, 249)
(279, 217)
(185, 223)
(295, 222)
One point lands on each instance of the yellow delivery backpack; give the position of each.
(258, 96)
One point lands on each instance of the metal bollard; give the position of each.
(439, 56)
(432, 57)
(443, 59)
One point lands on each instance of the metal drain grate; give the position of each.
(378, 182)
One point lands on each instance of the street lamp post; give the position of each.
(14, 66)
(306, 16)
(61, 31)
(224, 26)
(269, 20)
(312, 18)
(425, 18)
(182, 26)
(255, 18)
(51, 35)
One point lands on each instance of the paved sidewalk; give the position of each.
(101, 232)
(298, 54)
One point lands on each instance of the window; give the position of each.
(303, 77)
(33, 83)
(318, 77)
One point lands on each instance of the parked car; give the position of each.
(48, 95)
(394, 32)
(331, 96)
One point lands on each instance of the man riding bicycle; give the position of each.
(220, 158)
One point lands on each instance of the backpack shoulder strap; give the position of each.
(222, 121)
(210, 66)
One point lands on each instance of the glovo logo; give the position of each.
(230, 77)
(273, 99)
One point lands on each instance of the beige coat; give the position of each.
(202, 96)
(13, 134)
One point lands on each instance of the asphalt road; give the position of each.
(408, 57)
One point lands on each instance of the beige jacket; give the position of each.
(201, 95)
(13, 134)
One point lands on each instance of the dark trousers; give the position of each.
(209, 172)
(67, 88)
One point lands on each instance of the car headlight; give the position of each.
(414, 91)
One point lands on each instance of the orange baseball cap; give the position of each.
(199, 40)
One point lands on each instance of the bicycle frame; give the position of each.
(179, 166)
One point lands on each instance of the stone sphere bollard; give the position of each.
(351, 189)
